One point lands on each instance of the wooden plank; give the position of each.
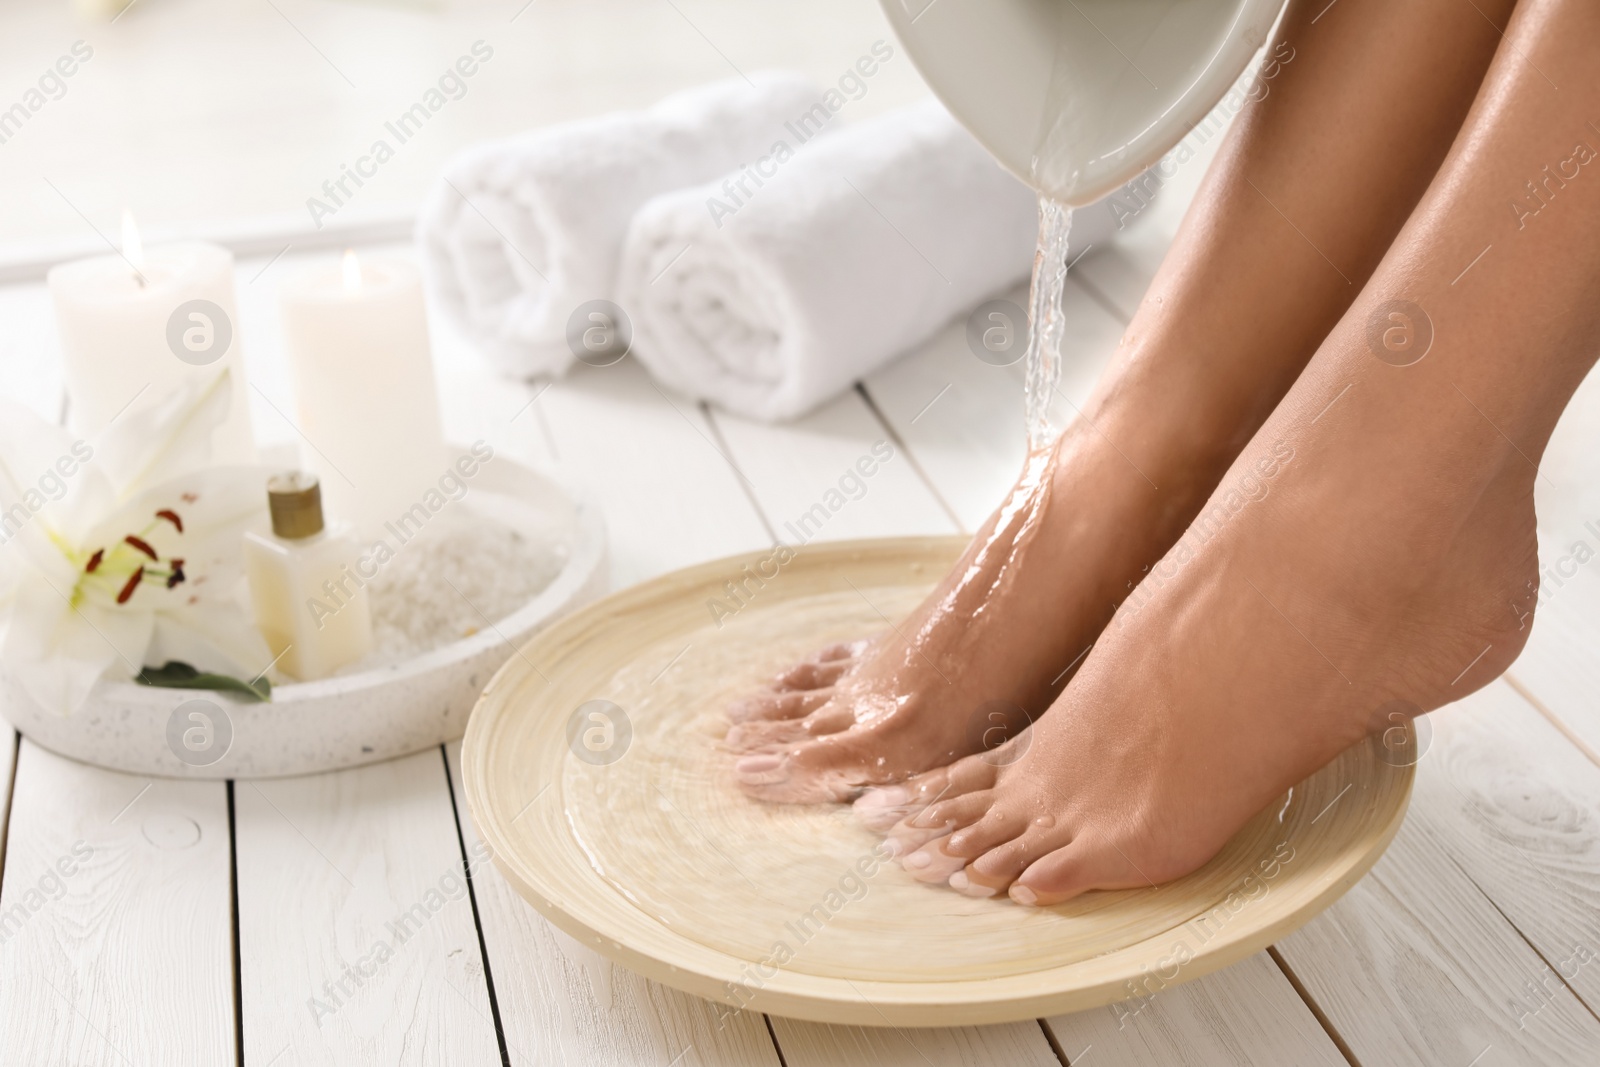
(818, 1045)
(1515, 804)
(961, 418)
(841, 457)
(356, 932)
(116, 940)
(1416, 966)
(9, 740)
(1559, 669)
(562, 1002)
(1247, 1014)
(670, 495)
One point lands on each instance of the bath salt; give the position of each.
(452, 580)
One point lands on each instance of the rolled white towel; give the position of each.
(769, 300)
(519, 232)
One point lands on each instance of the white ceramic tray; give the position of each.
(337, 722)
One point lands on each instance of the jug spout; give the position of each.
(1077, 97)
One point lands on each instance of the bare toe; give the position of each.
(963, 776)
(936, 821)
(749, 736)
(778, 704)
(997, 826)
(1084, 864)
(1002, 864)
(812, 675)
(955, 813)
(931, 863)
(813, 772)
(760, 735)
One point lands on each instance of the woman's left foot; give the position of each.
(1263, 645)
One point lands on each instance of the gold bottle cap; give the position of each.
(295, 500)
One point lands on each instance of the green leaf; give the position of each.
(179, 675)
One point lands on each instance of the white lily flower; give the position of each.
(123, 547)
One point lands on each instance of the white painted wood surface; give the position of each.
(1560, 670)
(818, 1045)
(116, 915)
(9, 741)
(669, 493)
(1518, 808)
(1416, 966)
(186, 107)
(1247, 1015)
(356, 930)
(789, 469)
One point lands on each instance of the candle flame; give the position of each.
(132, 247)
(352, 271)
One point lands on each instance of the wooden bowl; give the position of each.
(593, 773)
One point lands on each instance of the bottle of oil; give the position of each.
(309, 605)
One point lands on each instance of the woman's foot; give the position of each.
(1242, 301)
(988, 650)
(1392, 564)
(1274, 640)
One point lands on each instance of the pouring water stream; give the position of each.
(1042, 363)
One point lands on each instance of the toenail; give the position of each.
(918, 860)
(893, 846)
(966, 886)
(1023, 895)
(758, 764)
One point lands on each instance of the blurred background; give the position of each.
(220, 118)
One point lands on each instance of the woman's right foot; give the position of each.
(989, 649)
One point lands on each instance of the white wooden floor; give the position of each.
(249, 922)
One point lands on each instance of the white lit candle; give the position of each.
(138, 325)
(365, 397)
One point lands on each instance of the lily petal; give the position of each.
(62, 651)
(156, 444)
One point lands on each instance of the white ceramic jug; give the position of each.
(1077, 97)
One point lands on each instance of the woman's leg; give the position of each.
(1372, 547)
(1316, 178)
